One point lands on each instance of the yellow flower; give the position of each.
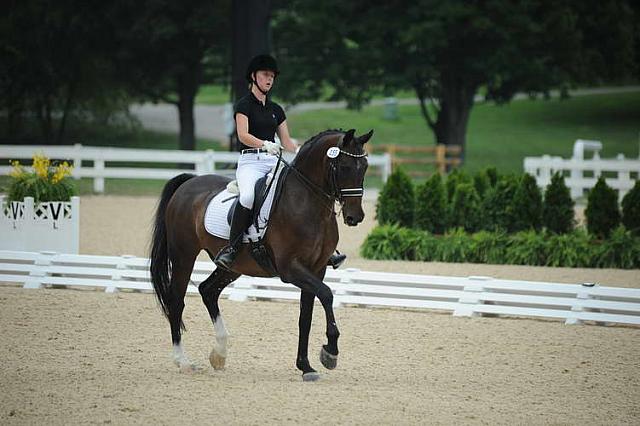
(62, 171)
(17, 170)
(41, 166)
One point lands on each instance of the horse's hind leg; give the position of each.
(181, 269)
(304, 327)
(210, 290)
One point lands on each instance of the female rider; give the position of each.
(258, 119)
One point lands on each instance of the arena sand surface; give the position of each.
(78, 357)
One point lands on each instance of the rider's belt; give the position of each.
(253, 151)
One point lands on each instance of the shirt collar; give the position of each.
(256, 100)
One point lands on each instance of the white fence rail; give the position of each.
(50, 225)
(104, 161)
(470, 296)
(582, 174)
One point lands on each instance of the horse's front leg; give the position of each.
(303, 278)
(304, 327)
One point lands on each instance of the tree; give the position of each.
(631, 209)
(447, 51)
(431, 206)
(168, 49)
(396, 201)
(602, 212)
(557, 210)
(54, 58)
(527, 205)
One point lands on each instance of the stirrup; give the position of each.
(336, 260)
(226, 256)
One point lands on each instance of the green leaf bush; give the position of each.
(464, 211)
(527, 205)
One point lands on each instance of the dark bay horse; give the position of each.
(302, 235)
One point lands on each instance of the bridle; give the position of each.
(335, 192)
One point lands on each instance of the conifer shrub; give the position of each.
(527, 205)
(492, 175)
(396, 201)
(631, 210)
(464, 211)
(431, 206)
(602, 212)
(557, 209)
(456, 177)
(497, 205)
(481, 183)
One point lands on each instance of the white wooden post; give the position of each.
(77, 161)
(471, 297)
(577, 306)
(98, 180)
(210, 164)
(624, 179)
(39, 270)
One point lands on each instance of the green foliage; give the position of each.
(570, 250)
(389, 242)
(526, 248)
(455, 178)
(620, 250)
(557, 210)
(455, 246)
(631, 209)
(481, 182)
(464, 211)
(490, 247)
(396, 201)
(497, 205)
(602, 212)
(431, 206)
(43, 183)
(492, 175)
(575, 249)
(527, 205)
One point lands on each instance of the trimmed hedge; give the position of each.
(396, 202)
(602, 212)
(631, 209)
(575, 249)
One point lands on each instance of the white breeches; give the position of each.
(252, 167)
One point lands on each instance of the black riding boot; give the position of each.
(239, 224)
(336, 260)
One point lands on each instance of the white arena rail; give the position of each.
(582, 174)
(104, 161)
(470, 296)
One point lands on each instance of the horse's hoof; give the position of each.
(312, 376)
(189, 368)
(217, 361)
(329, 361)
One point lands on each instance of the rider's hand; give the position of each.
(272, 148)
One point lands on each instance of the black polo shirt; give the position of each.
(263, 119)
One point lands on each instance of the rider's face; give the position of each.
(265, 79)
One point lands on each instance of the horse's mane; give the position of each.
(312, 140)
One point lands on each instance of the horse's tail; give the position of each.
(160, 263)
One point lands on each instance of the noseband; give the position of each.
(341, 193)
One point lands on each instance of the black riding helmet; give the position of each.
(261, 63)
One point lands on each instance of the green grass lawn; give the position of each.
(502, 135)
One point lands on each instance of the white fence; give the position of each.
(104, 161)
(470, 296)
(582, 174)
(51, 225)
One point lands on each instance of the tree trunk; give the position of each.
(187, 89)
(65, 112)
(456, 102)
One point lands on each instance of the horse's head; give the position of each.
(337, 161)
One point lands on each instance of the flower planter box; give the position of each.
(50, 225)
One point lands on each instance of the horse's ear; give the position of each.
(365, 138)
(348, 136)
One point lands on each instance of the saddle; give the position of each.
(257, 248)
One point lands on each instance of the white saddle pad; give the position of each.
(215, 218)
